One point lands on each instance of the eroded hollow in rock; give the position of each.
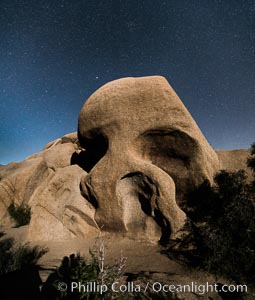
(96, 146)
(140, 125)
(173, 151)
(146, 192)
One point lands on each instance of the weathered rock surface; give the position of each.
(234, 160)
(139, 133)
(143, 153)
(18, 183)
(50, 185)
(139, 152)
(59, 207)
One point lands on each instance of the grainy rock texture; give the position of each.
(146, 152)
(50, 185)
(234, 160)
(143, 152)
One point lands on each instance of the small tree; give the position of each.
(224, 216)
(19, 270)
(15, 257)
(76, 268)
(21, 214)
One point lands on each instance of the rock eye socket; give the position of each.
(96, 146)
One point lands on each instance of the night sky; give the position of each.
(54, 54)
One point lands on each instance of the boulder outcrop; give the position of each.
(138, 152)
(139, 133)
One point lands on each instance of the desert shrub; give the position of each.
(224, 216)
(251, 164)
(6, 255)
(231, 241)
(21, 214)
(251, 159)
(14, 258)
(26, 255)
(76, 268)
(229, 185)
(19, 271)
(203, 203)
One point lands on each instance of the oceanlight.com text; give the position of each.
(200, 289)
(156, 287)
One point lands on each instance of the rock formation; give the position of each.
(137, 154)
(147, 151)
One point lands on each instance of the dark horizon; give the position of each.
(54, 55)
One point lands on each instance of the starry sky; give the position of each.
(55, 53)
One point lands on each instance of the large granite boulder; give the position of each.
(50, 185)
(18, 181)
(146, 152)
(137, 154)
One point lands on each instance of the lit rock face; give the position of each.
(139, 153)
(143, 152)
(50, 185)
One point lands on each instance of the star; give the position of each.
(55, 56)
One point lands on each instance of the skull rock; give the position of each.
(144, 152)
